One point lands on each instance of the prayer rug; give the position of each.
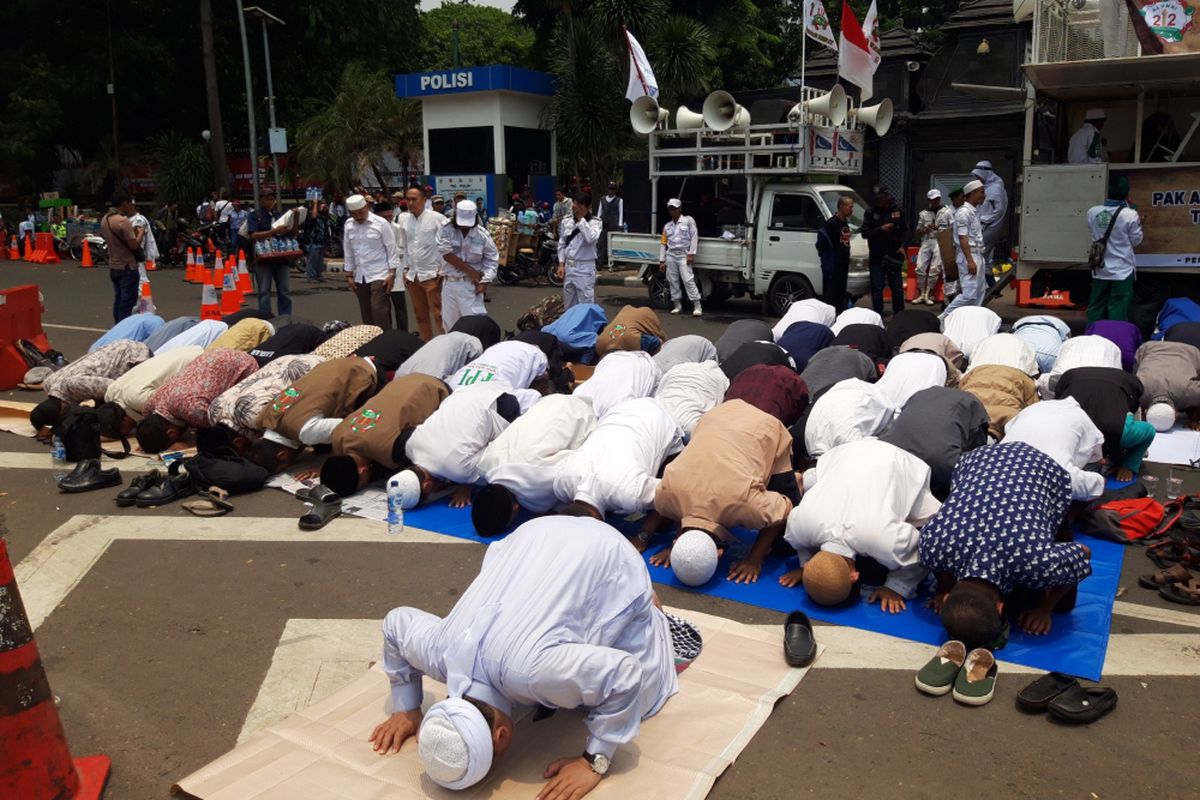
(724, 697)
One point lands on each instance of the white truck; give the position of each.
(772, 254)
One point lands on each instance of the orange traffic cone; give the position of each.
(146, 301)
(35, 761)
(244, 284)
(14, 252)
(209, 307)
(151, 266)
(86, 261)
(29, 247)
(231, 301)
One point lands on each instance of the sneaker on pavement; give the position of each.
(937, 676)
(677, 308)
(697, 311)
(976, 681)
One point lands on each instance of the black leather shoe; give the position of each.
(87, 476)
(175, 486)
(799, 644)
(147, 480)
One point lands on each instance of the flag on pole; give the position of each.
(641, 77)
(816, 24)
(854, 54)
(870, 26)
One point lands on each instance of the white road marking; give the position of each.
(74, 327)
(57, 565)
(1156, 614)
(43, 461)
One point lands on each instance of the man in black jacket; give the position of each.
(833, 246)
(884, 228)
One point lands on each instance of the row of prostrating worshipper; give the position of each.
(874, 427)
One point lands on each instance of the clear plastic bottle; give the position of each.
(58, 451)
(395, 512)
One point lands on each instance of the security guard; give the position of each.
(471, 260)
(578, 236)
(929, 259)
(677, 253)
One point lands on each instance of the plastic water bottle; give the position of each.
(58, 451)
(395, 512)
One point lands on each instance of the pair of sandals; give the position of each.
(324, 506)
(1065, 699)
(1174, 583)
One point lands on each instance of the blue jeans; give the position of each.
(125, 291)
(315, 264)
(277, 269)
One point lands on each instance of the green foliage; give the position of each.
(486, 35)
(363, 118)
(182, 165)
(30, 123)
(587, 114)
(681, 51)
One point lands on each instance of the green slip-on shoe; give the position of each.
(937, 676)
(976, 681)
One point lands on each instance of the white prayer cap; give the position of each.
(972, 186)
(410, 488)
(674, 202)
(465, 212)
(1161, 415)
(455, 744)
(1095, 113)
(356, 202)
(984, 165)
(933, 194)
(694, 557)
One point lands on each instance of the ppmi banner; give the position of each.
(1169, 202)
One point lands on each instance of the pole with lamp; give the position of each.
(249, 104)
(277, 137)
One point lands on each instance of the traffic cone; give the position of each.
(35, 761)
(231, 269)
(146, 301)
(29, 247)
(192, 274)
(231, 301)
(245, 286)
(14, 252)
(209, 307)
(86, 261)
(151, 266)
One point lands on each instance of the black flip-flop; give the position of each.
(326, 505)
(1080, 706)
(1186, 593)
(799, 644)
(1037, 695)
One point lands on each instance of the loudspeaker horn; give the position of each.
(722, 112)
(831, 105)
(878, 117)
(645, 115)
(686, 119)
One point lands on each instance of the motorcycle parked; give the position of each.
(538, 262)
(96, 244)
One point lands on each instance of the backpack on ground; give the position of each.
(548, 309)
(1123, 521)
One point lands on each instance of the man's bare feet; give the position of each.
(791, 579)
(1035, 622)
(662, 558)
(1124, 475)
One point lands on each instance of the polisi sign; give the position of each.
(440, 81)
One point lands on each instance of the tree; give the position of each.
(183, 169)
(212, 95)
(486, 35)
(363, 119)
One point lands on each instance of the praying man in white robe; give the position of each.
(1062, 430)
(561, 615)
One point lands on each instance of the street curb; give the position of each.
(628, 281)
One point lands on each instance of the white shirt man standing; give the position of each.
(677, 253)
(578, 235)
(372, 259)
(969, 249)
(1086, 145)
(1112, 284)
(992, 210)
(423, 262)
(470, 261)
(929, 259)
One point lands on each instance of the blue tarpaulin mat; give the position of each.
(1076, 644)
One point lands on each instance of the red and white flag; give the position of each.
(855, 61)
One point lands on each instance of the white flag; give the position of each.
(854, 54)
(816, 24)
(641, 77)
(870, 26)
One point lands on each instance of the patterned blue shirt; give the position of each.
(999, 522)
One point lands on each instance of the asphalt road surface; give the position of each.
(166, 636)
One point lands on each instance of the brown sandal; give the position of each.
(1176, 573)
(1186, 593)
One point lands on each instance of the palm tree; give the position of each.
(364, 119)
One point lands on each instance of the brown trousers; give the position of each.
(374, 304)
(426, 297)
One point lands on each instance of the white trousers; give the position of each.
(678, 269)
(929, 266)
(579, 283)
(459, 299)
(971, 289)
